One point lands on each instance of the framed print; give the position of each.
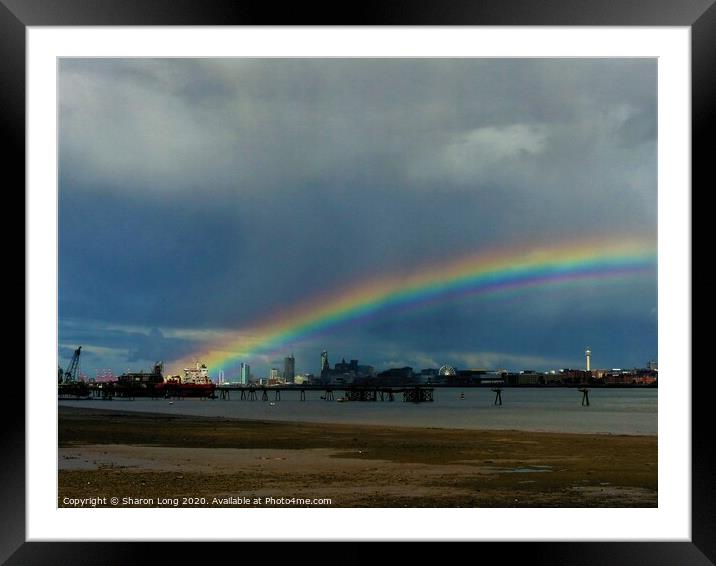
(413, 279)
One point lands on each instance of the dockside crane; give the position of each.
(73, 368)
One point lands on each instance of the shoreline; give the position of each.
(89, 411)
(341, 421)
(152, 457)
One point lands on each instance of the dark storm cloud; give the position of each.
(531, 323)
(123, 347)
(205, 194)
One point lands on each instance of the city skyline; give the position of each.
(316, 372)
(200, 200)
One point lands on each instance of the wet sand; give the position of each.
(104, 454)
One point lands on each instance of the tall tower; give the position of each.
(324, 363)
(588, 353)
(289, 368)
(245, 374)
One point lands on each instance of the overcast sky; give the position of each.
(197, 196)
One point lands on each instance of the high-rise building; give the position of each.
(245, 375)
(325, 368)
(289, 369)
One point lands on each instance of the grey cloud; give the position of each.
(250, 124)
(121, 347)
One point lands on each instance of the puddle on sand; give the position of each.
(528, 469)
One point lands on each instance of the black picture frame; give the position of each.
(699, 15)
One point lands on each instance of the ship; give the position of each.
(141, 382)
(194, 383)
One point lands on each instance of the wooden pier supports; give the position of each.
(73, 390)
(498, 395)
(362, 395)
(105, 393)
(417, 395)
(585, 397)
(386, 394)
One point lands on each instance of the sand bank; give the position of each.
(114, 454)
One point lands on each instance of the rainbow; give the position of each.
(484, 272)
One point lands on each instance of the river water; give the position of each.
(615, 411)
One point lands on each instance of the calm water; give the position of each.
(616, 411)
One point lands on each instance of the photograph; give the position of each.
(357, 282)
(408, 275)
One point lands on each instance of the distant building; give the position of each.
(643, 376)
(245, 375)
(396, 376)
(325, 368)
(647, 376)
(427, 376)
(493, 378)
(527, 377)
(305, 379)
(575, 376)
(344, 367)
(552, 377)
(468, 376)
(346, 372)
(289, 369)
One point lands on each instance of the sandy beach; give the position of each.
(150, 460)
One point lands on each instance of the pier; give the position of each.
(77, 390)
(327, 392)
(359, 393)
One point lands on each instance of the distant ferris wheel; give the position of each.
(447, 370)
